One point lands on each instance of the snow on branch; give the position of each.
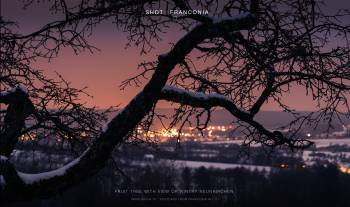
(202, 100)
(193, 94)
(20, 87)
(2, 181)
(3, 158)
(34, 178)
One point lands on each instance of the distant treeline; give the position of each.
(321, 186)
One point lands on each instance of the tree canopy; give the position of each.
(258, 51)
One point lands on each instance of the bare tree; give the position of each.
(254, 52)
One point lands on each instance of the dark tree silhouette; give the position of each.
(254, 51)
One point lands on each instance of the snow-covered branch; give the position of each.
(19, 108)
(193, 98)
(6, 95)
(20, 87)
(39, 177)
(202, 100)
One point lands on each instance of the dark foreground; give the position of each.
(152, 186)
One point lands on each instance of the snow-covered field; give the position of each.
(318, 142)
(331, 141)
(198, 164)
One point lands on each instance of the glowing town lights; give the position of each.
(169, 133)
(284, 166)
(308, 134)
(210, 133)
(28, 137)
(344, 169)
(139, 130)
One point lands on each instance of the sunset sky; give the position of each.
(103, 71)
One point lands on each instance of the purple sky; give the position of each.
(103, 71)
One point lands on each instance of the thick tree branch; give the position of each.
(208, 101)
(19, 108)
(119, 127)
